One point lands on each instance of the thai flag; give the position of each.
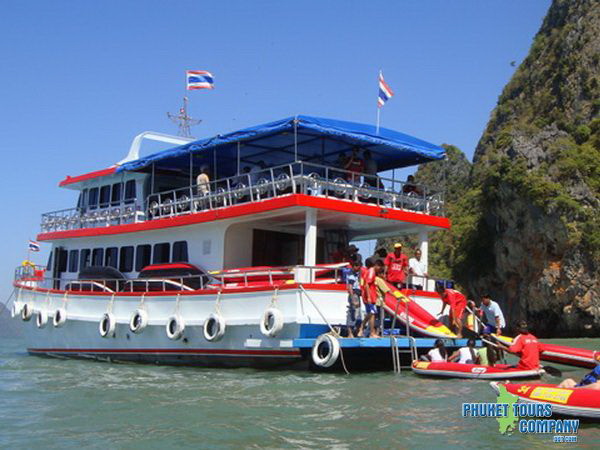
(34, 246)
(385, 93)
(199, 79)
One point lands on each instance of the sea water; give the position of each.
(54, 403)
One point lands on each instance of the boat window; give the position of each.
(49, 263)
(97, 256)
(111, 257)
(180, 252)
(73, 260)
(93, 198)
(62, 260)
(84, 258)
(104, 196)
(130, 191)
(81, 201)
(161, 253)
(115, 197)
(142, 256)
(126, 259)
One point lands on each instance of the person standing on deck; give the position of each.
(351, 276)
(417, 270)
(203, 181)
(492, 315)
(457, 303)
(396, 264)
(369, 293)
(355, 167)
(526, 346)
(370, 170)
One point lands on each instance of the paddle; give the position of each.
(552, 371)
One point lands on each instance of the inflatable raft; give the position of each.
(458, 370)
(579, 357)
(577, 402)
(398, 304)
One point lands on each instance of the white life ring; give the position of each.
(16, 309)
(41, 318)
(214, 327)
(26, 312)
(60, 317)
(326, 350)
(175, 327)
(271, 322)
(107, 325)
(138, 321)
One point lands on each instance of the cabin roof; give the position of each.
(318, 140)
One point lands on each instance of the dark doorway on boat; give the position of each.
(274, 248)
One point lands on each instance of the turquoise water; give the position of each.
(54, 403)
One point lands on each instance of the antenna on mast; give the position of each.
(183, 120)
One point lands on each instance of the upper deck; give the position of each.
(296, 161)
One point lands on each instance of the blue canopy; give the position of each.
(315, 140)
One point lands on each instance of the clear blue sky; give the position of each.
(80, 78)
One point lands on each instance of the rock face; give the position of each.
(537, 170)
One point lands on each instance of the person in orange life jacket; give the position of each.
(369, 290)
(355, 166)
(466, 355)
(526, 346)
(457, 303)
(396, 264)
(353, 255)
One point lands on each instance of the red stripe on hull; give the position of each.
(234, 211)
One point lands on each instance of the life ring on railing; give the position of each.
(282, 182)
(153, 209)
(340, 186)
(107, 325)
(60, 317)
(214, 327)
(26, 312)
(41, 318)
(175, 327)
(138, 321)
(326, 350)
(271, 322)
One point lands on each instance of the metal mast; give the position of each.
(183, 120)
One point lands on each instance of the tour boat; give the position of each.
(148, 266)
(576, 402)
(473, 371)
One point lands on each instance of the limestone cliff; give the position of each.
(537, 176)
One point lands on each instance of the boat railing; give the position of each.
(77, 218)
(295, 178)
(219, 280)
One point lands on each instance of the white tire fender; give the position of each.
(271, 322)
(107, 325)
(214, 327)
(138, 321)
(41, 318)
(60, 317)
(175, 327)
(26, 312)
(326, 350)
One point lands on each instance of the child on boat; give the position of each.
(466, 355)
(351, 276)
(437, 354)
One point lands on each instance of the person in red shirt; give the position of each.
(369, 296)
(457, 303)
(527, 347)
(355, 167)
(396, 264)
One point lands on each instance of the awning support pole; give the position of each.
(191, 169)
(152, 180)
(238, 158)
(296, 139)
(214, 163)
